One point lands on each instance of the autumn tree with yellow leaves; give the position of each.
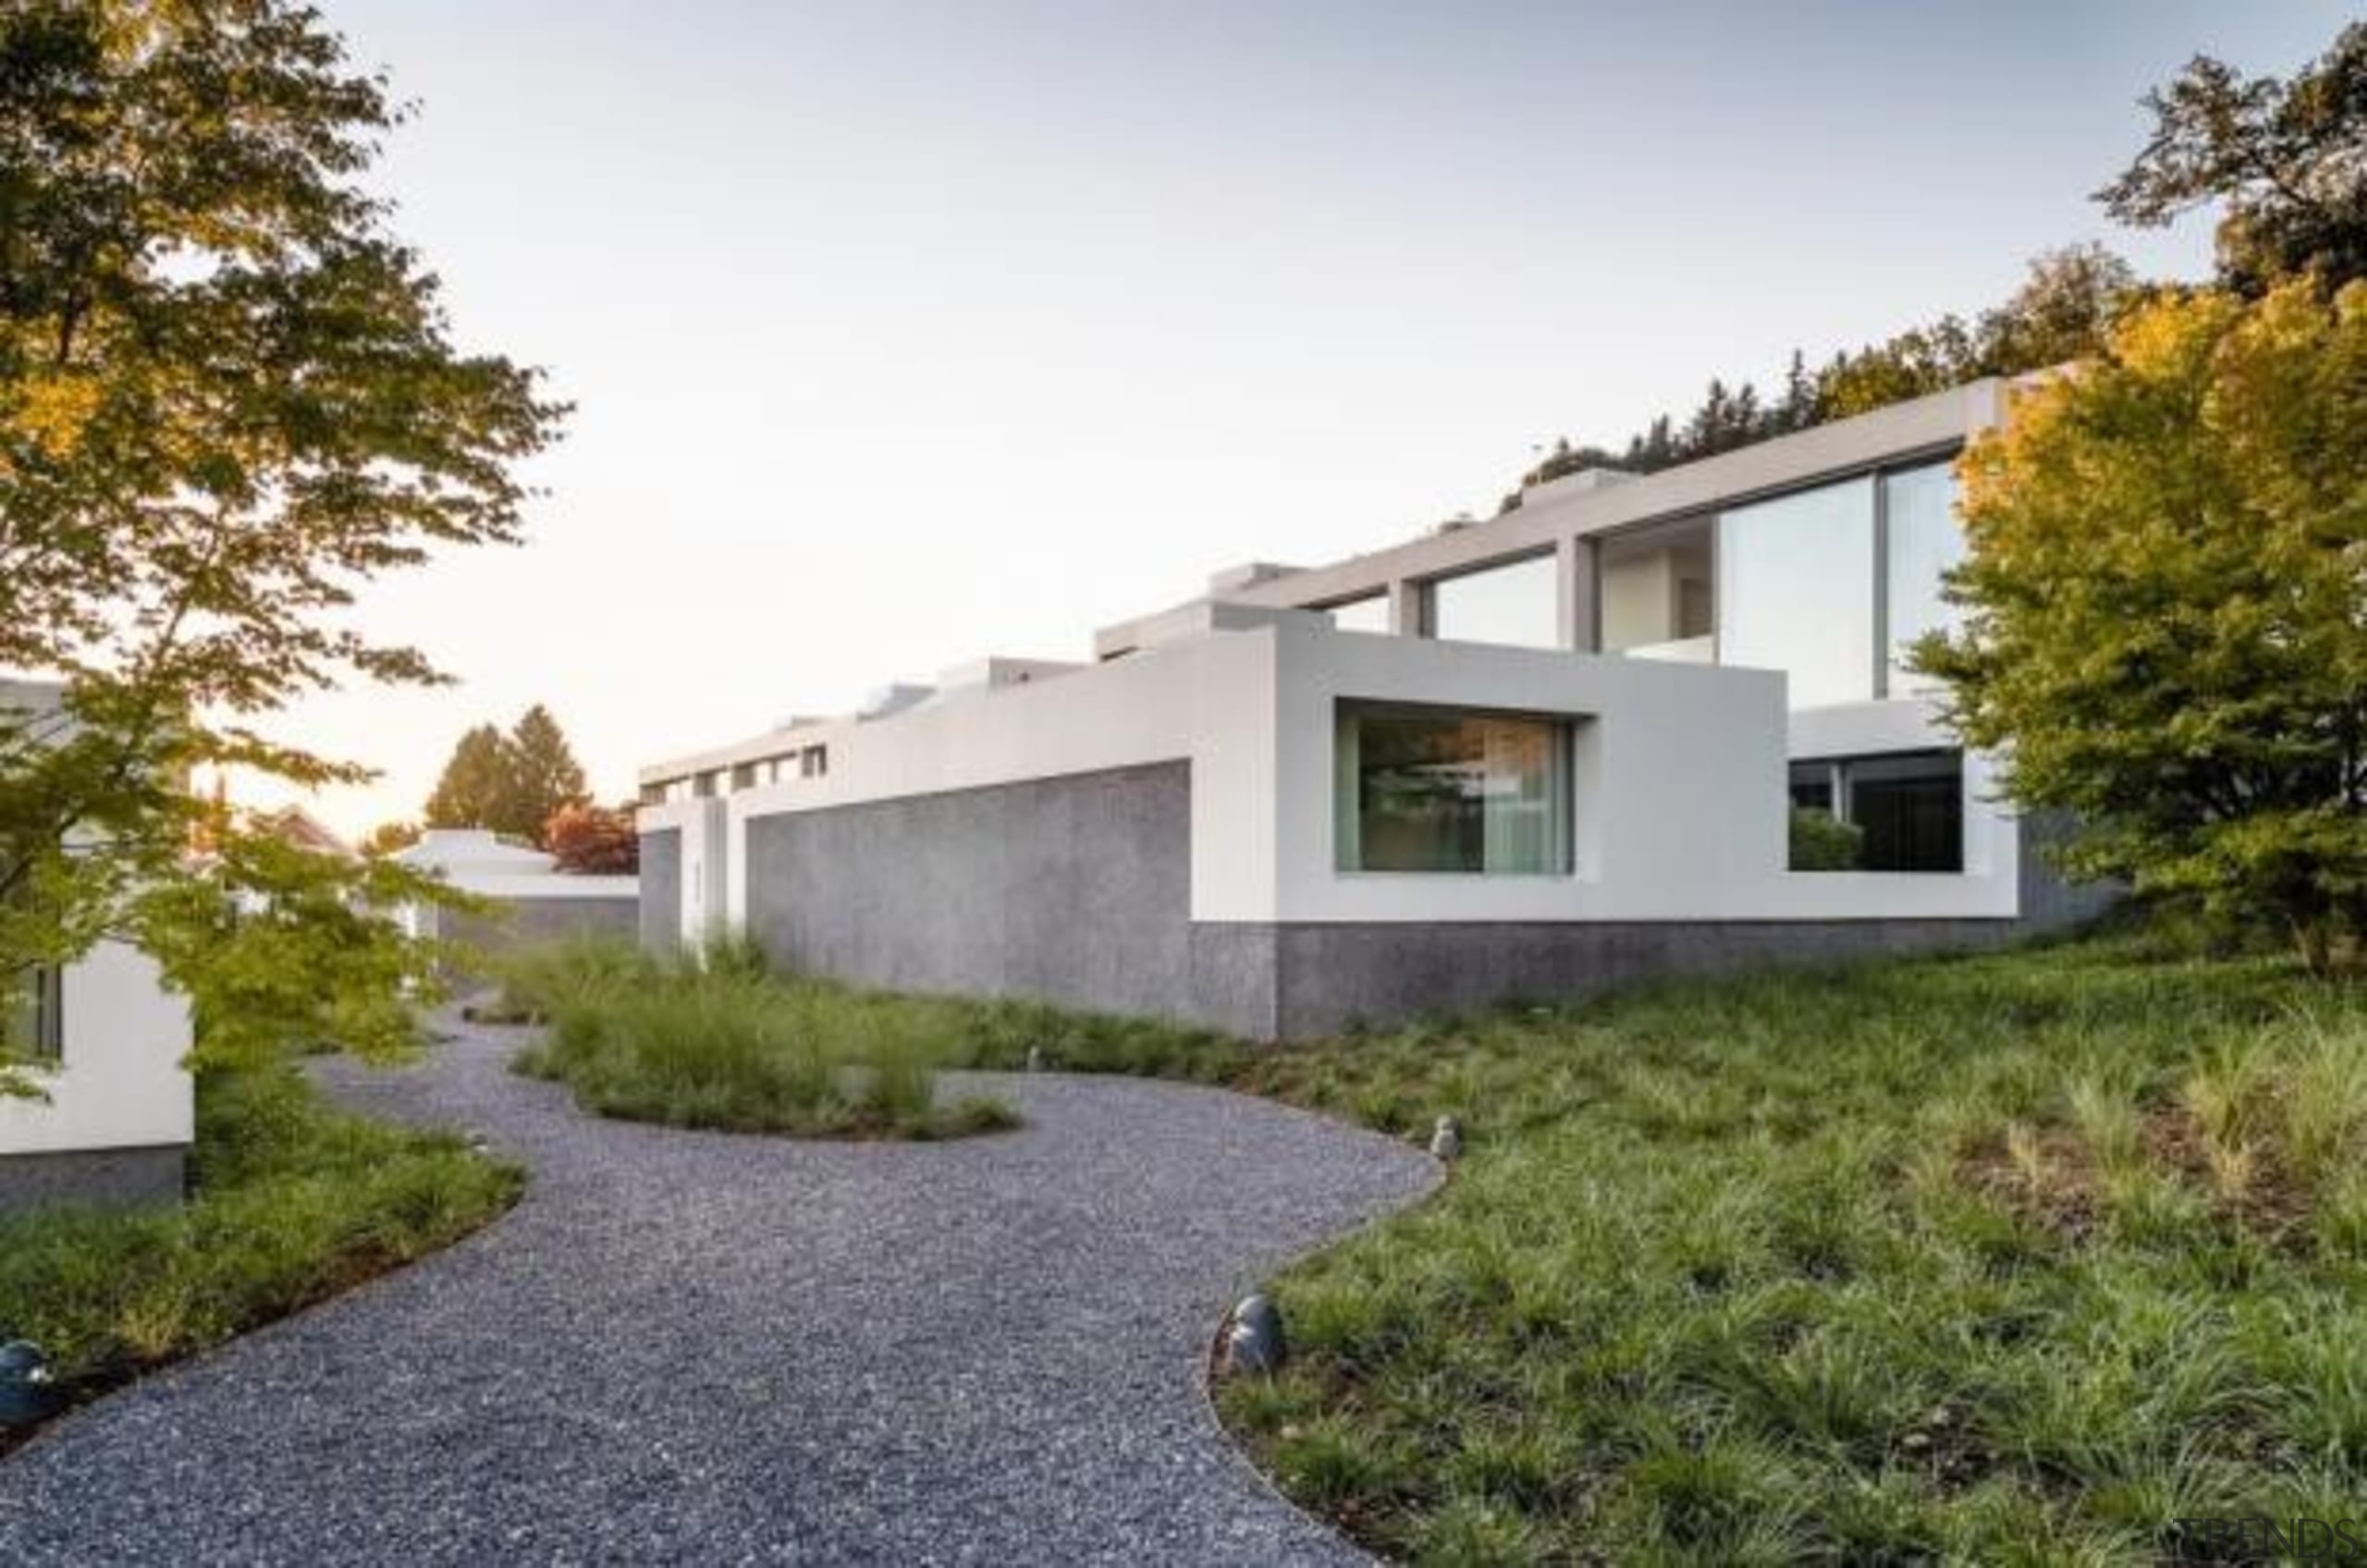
(2166, 606)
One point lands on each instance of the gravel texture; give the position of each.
(689, 1347)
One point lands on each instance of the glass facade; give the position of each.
(1362, 614)
(1908, 805)
(1426, 789)
(1518, 604)
(1796, 590)
(1921, 540)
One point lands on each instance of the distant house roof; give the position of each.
(294, 825)
(455, 851)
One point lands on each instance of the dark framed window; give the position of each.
(33, 1023)
(1450, 790)
(1907, 806)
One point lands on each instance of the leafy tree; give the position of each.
(475, 790)
(2167, 631)
(227, 397)
(511, 783)
(278, 947)
(594, 841)
(390, 838)
(2063, 312)
(544, 774)
(2288, 159)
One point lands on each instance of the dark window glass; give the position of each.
(32, 1021)
(1812, 786)
(1446, 792)
(1910, 809)
(1908, 805)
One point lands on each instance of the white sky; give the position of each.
(902, 334)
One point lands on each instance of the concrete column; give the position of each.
(1405, 609)
(1575, 569)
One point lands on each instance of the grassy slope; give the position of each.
(295, 1201)
(2011, 1258)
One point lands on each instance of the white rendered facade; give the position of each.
(118, 1111)
(1676, 766)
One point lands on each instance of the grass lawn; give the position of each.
(294, 1202)
(2014, 1258)
(2008, 1259)
(719, 1044)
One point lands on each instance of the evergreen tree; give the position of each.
(475, 783)
(543, 775)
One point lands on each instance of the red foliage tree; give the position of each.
(594, 841)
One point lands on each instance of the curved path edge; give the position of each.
(706, 1347)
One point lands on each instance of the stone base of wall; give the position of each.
(93, 1177)
(1327, 977)
(1077, 890)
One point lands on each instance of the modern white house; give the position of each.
(107, 1044)
(1524, 758)
(533, 899)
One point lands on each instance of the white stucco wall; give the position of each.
(119, 1081)
(1680, 772)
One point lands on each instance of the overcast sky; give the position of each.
(903, 333)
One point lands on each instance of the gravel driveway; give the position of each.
(690, 1347)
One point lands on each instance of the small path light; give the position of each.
(1446, 1142)
(1254, 1342)
(27, 1395)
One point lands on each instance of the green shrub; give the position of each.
(714, 1041)
(1822, 841)
(292, 1202)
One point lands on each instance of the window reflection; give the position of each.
(1433, 790)
(1516, 604)
(1796, 590)
(1924, 540)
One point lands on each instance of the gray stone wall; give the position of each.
(93, 1177)
(1077, 890)
(661, 890)
(523, 922)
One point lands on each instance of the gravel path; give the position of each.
(690, 1347)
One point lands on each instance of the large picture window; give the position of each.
(1909, 806)
(1796, 590)
(1921, 540)
(1517, 604)
(1433, 790)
